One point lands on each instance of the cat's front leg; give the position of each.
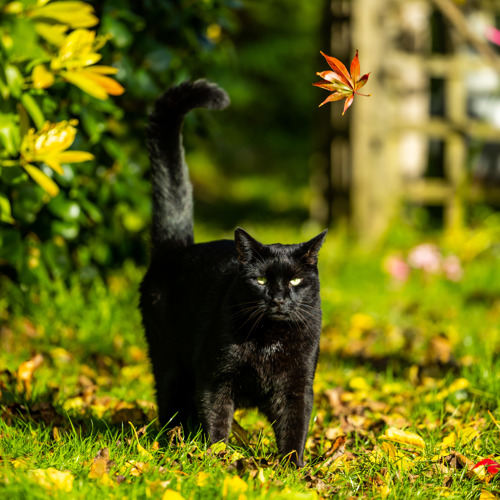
(218, 413)
(290, 415)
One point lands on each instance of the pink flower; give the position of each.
(397, 268)
(493, 35)
(426, 257)
(452, 268)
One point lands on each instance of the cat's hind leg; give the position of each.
(175, 402)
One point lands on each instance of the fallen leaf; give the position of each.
(101, 464)
(25, 372)
(138, 468)
(234, 485)
(142, 451)
(403, 437)
(171, 495)
(487, 495)
(53, 479)
(491, 466)
(336, 450)
(341, 83)
(240, 434)
(202, 478)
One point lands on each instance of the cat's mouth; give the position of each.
(278, 315)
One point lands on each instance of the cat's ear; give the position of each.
(246, 246)
(310, 249)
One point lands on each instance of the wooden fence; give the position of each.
(408, 144)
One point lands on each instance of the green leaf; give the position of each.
(11, 246)
(13, 175)
(5, 210)
(14, 79)
(9, 134)
(63, 208)
(66, 229)
(27, 201)
(33, 109)
(25, 45)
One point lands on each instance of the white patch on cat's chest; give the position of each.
(271, 349)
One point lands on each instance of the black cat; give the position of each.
(230, 324)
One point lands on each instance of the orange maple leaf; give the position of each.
(342, 83)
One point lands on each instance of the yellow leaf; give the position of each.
(233, 484)
(218, 447)
(104, 70)
(260, 476)
(138, 468)
(359, 384)
(42, 78)
(53, 162)
(142, 451)
(43, 180)
(487, 495)
(73, 13)
(53, 479)
(362, 321)
(19, 463)
(390, 450)
(74, 156)
(110, 86)
(236, 455)
(202, 478)
(403, 437)
(171, 495)
(448, 441)
(53, 33)
(98, 468)
(107, 481)
(25, 371)
(84, 83)
(76, 405)
(458, 385)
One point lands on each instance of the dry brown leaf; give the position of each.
(337, 449)
(25, 372)
(240, 434)
(101, 464)
(175, 433)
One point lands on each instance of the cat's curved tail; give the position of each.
(172, 190)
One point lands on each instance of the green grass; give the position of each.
(421, 357)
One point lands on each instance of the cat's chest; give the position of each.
(262, 366)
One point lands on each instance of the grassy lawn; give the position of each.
(407, 388)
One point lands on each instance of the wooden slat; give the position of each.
(431, 191)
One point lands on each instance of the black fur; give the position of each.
(227, 322)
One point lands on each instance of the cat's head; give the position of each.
(279, 282)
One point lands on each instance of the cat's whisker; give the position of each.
(252, 315)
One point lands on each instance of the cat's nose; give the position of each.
(279, 301)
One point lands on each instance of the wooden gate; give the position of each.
(412, 141)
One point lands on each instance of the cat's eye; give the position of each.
(261, 280)
(296, 281)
